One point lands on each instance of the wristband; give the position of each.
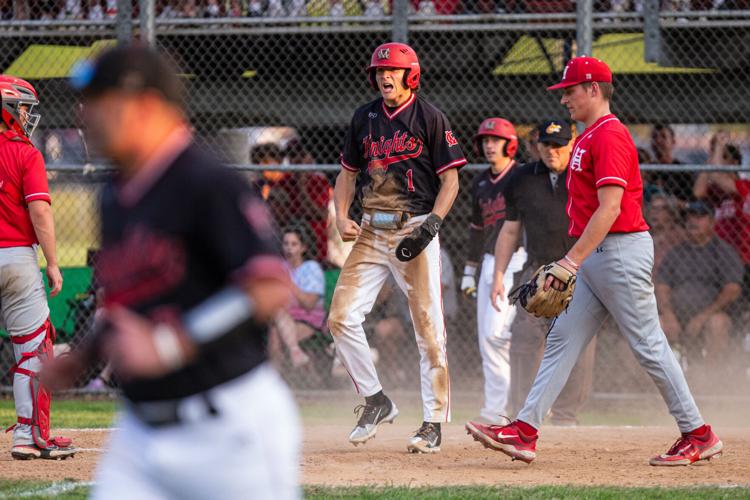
(571, 262)
(168, 346)
(218, 314)
(470, 270)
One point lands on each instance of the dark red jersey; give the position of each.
(400, 154)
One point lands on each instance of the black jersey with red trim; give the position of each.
(400, 153)
(487, 210)
(197, 229)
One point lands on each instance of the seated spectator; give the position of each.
(730, 196)
(696, 283)
(667, 230)
(301, 197)
(269, 155)
(235, 9)
(111, 11)
(305, 314)
(71, 10)
(189, 9)
(373, 8)
(677, 184)
(96, 12)
(213, 9)
(256, 8)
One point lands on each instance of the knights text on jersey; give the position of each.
(198, 229)
(488, 207)
(400, 154)
(604, 154)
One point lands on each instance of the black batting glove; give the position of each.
(413, 244)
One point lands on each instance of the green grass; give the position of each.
(72, 490)
(70, 413)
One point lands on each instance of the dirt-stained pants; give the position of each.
(372, 259)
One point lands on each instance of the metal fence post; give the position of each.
(584, 27)
(652, 32)
(124, 21)
(148, 22)
(401, 21)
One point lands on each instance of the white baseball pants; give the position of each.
(493, 328)
(23, 304)
(372, 260)
(249, 450)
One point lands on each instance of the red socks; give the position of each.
(526, 429)
(699, 432)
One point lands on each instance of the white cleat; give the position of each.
(371, 417)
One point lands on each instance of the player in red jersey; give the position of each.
(613, 259)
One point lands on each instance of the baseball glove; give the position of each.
(413, 244)
(545, 303)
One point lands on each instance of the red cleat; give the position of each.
(506, 438)
(690, 449)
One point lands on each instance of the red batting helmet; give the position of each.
(396, 55)
(15, 93)
(498, 127)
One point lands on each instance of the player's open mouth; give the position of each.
(387, 87)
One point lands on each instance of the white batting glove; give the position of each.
(469, 282)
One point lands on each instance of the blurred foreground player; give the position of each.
(25, 222)
(190, 277)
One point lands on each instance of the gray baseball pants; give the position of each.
(614, 280)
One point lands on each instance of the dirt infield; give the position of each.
(613, 456)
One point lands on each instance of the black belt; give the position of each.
(167, 413)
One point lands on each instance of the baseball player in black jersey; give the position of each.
(190, 275)
(497, 140)
(402, 159)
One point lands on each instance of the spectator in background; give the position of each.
(677, 184)
(532, 149)
(189, 9)
(111, 11)
(373, 8)
(6, 10)
(169, 11)
(96, 12)
(71, 11)
(696, 283)
(256, 8)
(649, 188)
(269, 154)
(730, 196)
(235, 9)
(336, 8)
(213, 9)
(305, 315)
(308, 194)
(665, 222)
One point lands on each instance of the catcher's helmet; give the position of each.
(15, 93)
(395, 55)
(498, 127)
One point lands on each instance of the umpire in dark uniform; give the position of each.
(536, 199)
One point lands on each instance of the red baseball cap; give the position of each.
(583, 69)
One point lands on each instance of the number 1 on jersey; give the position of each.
(410, 180)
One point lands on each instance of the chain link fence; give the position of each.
(274, 84)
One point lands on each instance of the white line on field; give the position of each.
(84, 429)
(53, 490)
(97, 450)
